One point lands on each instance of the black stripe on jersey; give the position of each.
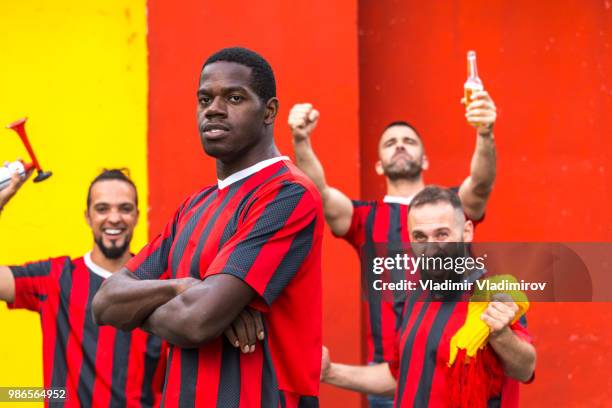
(194, 267)
(270, 394)
(31, 270)
(407, 352)
(374, 297)
(394, 246)
(308, 402)
(274, 217)
(189, 377)
(242, 210)
(151, 361)
(185, 234)
(283, 404)
(431, 351)
(229, 380)
(62, 327)
(121, 357)
(291, 263)
(198, 198)
(90, 345)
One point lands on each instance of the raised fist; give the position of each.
(303, 118)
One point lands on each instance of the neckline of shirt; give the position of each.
(97, 269)
(397, 200)
(244, 173)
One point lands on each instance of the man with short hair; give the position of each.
(253, 239)
(97, 366)
(370, 225)
(421, 373)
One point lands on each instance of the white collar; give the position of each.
(97, 269)
(397, 200)
(239, 175)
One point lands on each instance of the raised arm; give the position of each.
(371, 379)
(475, 190)
(337, 207)
(124, 301)
(7, 281)
(517, 355)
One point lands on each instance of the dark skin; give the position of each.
(236, 128)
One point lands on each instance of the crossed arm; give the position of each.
(185, 312)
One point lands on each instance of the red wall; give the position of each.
(312, 47)
(547, 66)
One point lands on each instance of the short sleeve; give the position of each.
(356, 232)
(273, 239)
(32, 285)
(152, 260)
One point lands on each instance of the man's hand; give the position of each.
(480, 112)
(303, 119)
(16, 183)
(325, 364)
(244, 332)
(499, 314)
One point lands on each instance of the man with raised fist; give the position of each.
(366, 224)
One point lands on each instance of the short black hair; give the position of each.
(435, 194)
(122, 174)
(403, 123)
(262, 76)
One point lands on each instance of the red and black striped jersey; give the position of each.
(264, 226)
(98, 366)
(374, 225)
(422, 350)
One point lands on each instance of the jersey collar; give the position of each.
(244, 173)
(97, 269)
(397, 200)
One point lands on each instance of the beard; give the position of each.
(403, 170)
(113, 252)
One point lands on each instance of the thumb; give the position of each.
(313, 116)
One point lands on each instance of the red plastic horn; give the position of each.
(19, 127)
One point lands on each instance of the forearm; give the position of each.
(517, 356)
(483, 166)
(308, 162)
(7, 284)
(200, 313)
(373, 379)
(125, 301)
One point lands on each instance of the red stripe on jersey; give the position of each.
(135, 371)
(173, 379)
(250, 391)
(208, 382)
(77, 307)
(104, 363)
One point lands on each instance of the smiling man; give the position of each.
(251, 240)
(97, 366)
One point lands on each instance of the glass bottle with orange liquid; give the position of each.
(473, 83)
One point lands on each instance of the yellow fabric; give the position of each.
(473, 335)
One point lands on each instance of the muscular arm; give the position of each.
(475, 190)
(337, 207)
(124, 301)
(7, 284)
(372, 379)
(202, 312)
(518, 356)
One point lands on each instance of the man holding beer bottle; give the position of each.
(363, 224)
